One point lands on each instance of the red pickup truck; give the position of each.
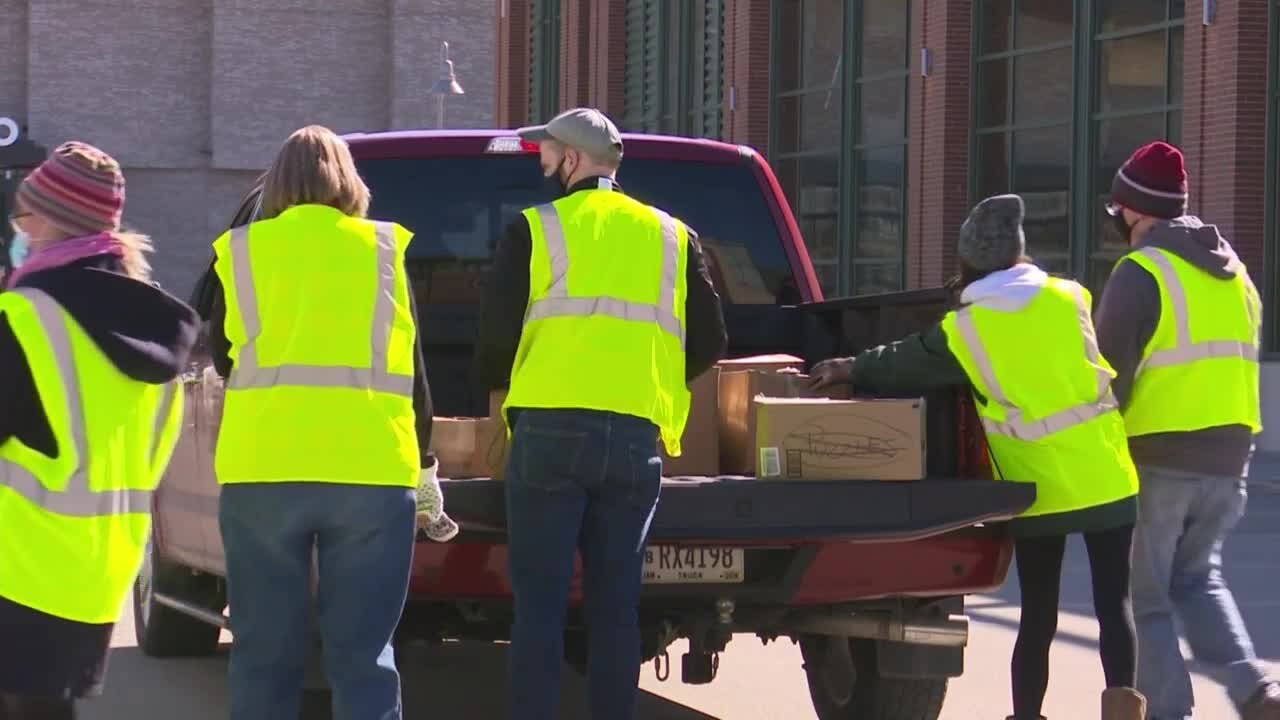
(869, 577)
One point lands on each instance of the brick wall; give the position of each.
(938, 154)
(746, 72)
(607, 53)
(13, 60)
(1224, 121)
(511, 61)
(575, 51)
(195, 96)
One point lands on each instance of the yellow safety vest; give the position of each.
(322, 345)
(1049, 414)
(73, 528)
(605, 325)
(1200, 368)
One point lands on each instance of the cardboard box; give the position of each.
(826, 439)
(454, 440)
(469, 447)
(493, 443)
(737, 417)
(762, 362)
(700, 444)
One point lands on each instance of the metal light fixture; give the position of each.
(447, 84)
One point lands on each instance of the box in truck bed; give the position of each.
(826, 439)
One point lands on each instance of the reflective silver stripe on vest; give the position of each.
(247, 373)
(558, 303)
(1014, 426)
(76, 499)
(1184, 351)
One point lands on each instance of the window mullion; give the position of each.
(848, 176)
(1083, 85)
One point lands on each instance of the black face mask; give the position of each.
(557, 179)
(1121, 227)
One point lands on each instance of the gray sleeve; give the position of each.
(1126, 319)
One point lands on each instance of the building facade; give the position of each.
(886, 119)
(194, 97)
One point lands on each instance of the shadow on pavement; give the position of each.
(461, 680)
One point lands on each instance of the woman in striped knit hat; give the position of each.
(79, 305)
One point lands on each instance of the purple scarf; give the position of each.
(66, 252)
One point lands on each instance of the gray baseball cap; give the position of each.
(585, 129)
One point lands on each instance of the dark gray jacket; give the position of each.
(1126, 318)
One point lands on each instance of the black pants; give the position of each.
(17, 707)
(1039, 577)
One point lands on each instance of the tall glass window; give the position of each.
(544, 60)
(1137, 99)
(674, 67)
(879, 148)
(839, 135)
(1023, 115)
(808, 112)
(1060, 100)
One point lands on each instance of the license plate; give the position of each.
(668, 565)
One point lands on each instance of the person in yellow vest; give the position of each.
(1179, 320)
(598, 311)
(90, 350)
(1025, 343)
(324, 434)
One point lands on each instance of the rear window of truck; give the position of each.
(458, 208)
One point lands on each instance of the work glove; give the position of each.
(431, 518)
(836, 371)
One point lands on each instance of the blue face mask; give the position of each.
(19, 248)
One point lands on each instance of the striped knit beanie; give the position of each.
(1153, 181)
(80, 189)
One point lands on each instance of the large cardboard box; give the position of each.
(828, 439)
(700, 444)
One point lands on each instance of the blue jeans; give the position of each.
(586, 481)
(1177, 573)
(363, 540)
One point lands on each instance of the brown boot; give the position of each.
(1123, 704)
(1264, 705)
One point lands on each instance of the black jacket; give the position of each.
(507, 297)
(213, 308)
(145, 332)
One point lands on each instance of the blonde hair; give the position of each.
(136, 247)
(314, 167)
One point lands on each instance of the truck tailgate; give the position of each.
(748, 509)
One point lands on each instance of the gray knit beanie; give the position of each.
(991, 238)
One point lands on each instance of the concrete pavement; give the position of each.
(762, 682)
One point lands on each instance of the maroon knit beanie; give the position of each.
(80, 189)
(1153, 181)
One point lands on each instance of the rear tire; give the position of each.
(163, 632)
(865, 695)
